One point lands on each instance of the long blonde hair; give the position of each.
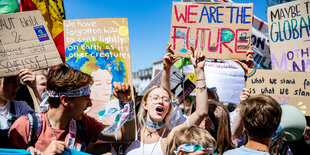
(142, 112)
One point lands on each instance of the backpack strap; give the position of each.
(12, 108)
(81, 134)
(35, 126)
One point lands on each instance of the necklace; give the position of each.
(51, 126)
(158, 140)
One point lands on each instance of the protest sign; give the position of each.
(218, 30)
(25, 42)
(260, 42)
(286, 87)
(100, 47)
(289, 26)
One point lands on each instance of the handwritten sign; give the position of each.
(25, 42)
(260, 42)
(289, 33)
(100, 47)
(286, 87)
(218, 30)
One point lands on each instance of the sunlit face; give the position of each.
(101, 89)
(41, 84)
(157, 105)
(8, 88)
(78, 105)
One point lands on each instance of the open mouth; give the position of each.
(159, 109)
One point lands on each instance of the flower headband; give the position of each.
(73, 93)
(192, 148)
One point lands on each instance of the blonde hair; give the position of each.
(192, 135)
(142, 112)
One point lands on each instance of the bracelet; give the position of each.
(201, 89)
(200, 79)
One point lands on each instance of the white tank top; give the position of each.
(138, 148)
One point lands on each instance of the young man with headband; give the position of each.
(65, 125)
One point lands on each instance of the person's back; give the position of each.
(261, 116)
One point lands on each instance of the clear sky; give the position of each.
(149, 23)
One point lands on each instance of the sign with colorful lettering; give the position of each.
(25, 42)
(289, 36)
(100, 47)
(285, 86)
(218, 30)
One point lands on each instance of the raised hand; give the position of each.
(245, 94)
(168, 60)
(27, 76)
(122, 91)
(56, 147)
(197, 58)
(248, 62)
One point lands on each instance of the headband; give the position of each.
(72, 93)
(192, 148)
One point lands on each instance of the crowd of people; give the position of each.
(158, 127)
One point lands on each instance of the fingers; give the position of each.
(168, 48)
(245, 94)
(27, 76)
(122, 91)
(243, 65)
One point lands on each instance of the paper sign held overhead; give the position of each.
(25, 42)
(289, 36)
(100, 47)
(218, 30)
(286, 87)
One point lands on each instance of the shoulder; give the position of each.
(22, 107)
(243, 151)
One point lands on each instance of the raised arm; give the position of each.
(168, 61)
(126, 134)
(198, 61)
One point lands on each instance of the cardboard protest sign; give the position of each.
(286, 87)
(100, 47)
(25, 42)
(218, 30)
(289, 36)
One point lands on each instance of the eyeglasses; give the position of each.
(157, 98)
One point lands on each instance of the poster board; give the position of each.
(285, 86)
(25, 42)
(218, 30)
(100, 47)
(289, 36)
(260, 42)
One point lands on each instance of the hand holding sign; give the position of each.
(197, 58)
(168, 60)
(122, 91)
(248, 62)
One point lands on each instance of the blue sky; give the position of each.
(149, 23)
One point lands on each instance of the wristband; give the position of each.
(201, 89)
(200, 79)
